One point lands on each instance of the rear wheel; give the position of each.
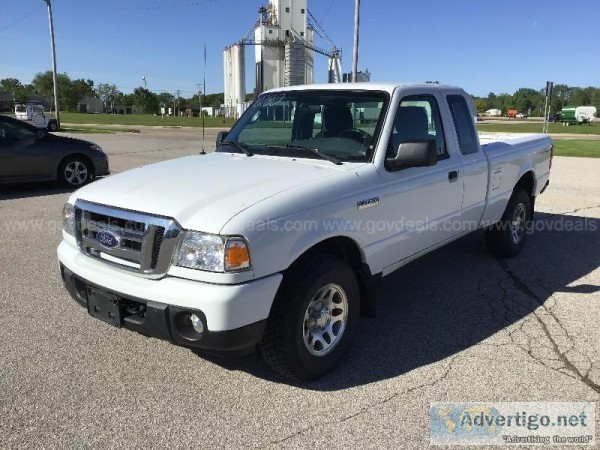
(75, 171)
(313, 318)
(507, 237)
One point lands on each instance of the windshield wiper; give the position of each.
(315, 151)
(241, 147)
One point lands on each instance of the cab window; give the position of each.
(463, 124)
(418, 119)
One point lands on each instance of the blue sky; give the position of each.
(481, 45)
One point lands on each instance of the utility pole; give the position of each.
(145, 82)
(53, 49)
(355, 53)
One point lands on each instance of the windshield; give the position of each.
(341, 124)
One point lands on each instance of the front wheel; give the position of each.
(74, 172)
(506, 238)
(53, 126)
(313, 318)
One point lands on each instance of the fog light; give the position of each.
(197, 324)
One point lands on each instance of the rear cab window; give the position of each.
(463, 124)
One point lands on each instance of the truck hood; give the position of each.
(204, 192)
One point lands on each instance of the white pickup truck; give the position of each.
(36, 116)
(276, 238)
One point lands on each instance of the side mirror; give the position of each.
(222, 135)
(413, 154)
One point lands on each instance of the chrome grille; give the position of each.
(144, 242)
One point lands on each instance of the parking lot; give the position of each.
(456, 325)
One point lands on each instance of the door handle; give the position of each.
(453, 175)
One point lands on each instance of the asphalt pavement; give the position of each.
(456, 325)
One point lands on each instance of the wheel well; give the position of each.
(76, 155)
(348, 250)
(527, 183)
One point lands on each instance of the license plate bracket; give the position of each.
(104, 306)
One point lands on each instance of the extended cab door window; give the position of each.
(418, 119)
(463, 124)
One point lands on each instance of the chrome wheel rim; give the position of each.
(76, 173)
(325, 320)
(517, 227)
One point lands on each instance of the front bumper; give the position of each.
(233, 315)
(159, 320)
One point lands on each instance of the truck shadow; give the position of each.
(455, 298)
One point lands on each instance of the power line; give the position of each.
(26, 16)
(320, 30)
(320, 22)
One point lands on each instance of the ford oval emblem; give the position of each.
(108, 239)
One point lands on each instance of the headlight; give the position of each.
(96, 148)
(69, 219)
(211, 252)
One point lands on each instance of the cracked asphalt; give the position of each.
(456, 325)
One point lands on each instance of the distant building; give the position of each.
(361, 77)
(90, 105)
(6, 101)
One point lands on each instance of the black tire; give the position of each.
(291, 328)
(75, 171)
(53, 126)
(506, 238)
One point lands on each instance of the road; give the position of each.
(456, 325)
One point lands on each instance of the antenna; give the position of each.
(202, 152)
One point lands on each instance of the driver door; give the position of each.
(420, 205)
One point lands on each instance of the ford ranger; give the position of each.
(276, 239)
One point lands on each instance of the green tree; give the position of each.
(504, 102)
(108, 93)
(19, 91)
(492, 101)
(596, 101)
(481, 104)
(146, 100)
(526, 100)
(43, 84)
(582, 96)
(10, 85)
(74, 91)
(561, 95)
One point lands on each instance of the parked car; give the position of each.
(522, 116)
(556, 117)
(30, 154)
